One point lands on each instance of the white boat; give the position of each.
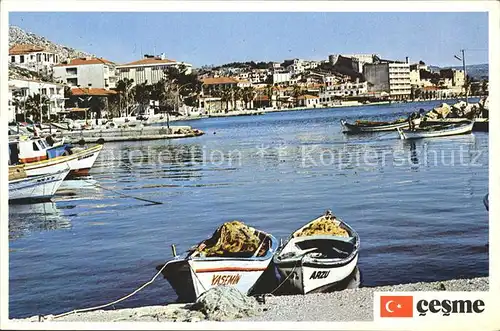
(191, 274)
(437, 130)
(42, 187)
(40, 158)
(318, 262)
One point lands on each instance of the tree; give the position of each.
(248, 94)
(18, 103)
(124, 88)
(269, 93)
(484, 87)
(296, 92)
(36, 104)
(142, 94)
(227, 97)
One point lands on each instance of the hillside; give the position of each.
(19, 36)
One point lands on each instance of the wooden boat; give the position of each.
(480, 124)
(195, 272)
(315, 260)
(369, 126)
(40, 158)
(430, 131)
(41, 187)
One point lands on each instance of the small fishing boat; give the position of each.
(41, 187)
(236, 255)
(430, 131)
(371, 126)
(318, 256)
(486, 202)
(40, 157)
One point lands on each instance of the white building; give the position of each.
(150, 69)
(281, 77)
(26, 88)
(86, 72)
(390, 77)
(348, 89)
(32, 57)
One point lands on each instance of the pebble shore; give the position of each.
(347, 305)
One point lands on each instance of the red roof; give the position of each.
(219, 80)
(431, 88)
(25, 48)
(84, 61)
(155, 60)
(77, 91)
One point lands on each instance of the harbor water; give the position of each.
(417, 206)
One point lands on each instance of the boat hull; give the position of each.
(449, 130)
(79, 163)
(353, 128)
(42, 187)
(190, 275)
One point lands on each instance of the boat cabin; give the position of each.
(34, 149)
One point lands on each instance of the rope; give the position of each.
(123, 194)
(114, 302)
(291, 273)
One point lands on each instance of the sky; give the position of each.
(211, 38)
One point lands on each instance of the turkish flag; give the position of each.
(396, 306)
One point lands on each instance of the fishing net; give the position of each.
(17, 172)
(234, 239)
(324, 225)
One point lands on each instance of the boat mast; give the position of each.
(465, 78)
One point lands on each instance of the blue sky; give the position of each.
(217, 38)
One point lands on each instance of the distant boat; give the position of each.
(195, 272)
(430, 131)
(41, 187)
(370, 126)
(486, 202)
(311, 262)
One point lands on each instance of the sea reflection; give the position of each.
(27, 218)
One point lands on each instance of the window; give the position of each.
(38, 57)
(35, 146)
(51, 91)
(139, 69)
(21, 59)
(12, 59)
(124, 70)
(71, 71)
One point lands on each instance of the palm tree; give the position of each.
(124, 88)
(296, 92)
(227, 97)
(36, 104)
(248, 94)
(236, 92)
(17, 102)
(269, 93)
(142, 94)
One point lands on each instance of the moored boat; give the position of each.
(41, 187)
(371, 126)
(430, 131)
(236, 255)
(318, 256)
(40, 158)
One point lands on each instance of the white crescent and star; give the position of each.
(387, 306)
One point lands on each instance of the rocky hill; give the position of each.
(19, 36)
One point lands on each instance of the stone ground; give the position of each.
(347, 305)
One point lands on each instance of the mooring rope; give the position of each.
(41, 317)
(123, 194)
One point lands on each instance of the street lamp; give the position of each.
(465, 74)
